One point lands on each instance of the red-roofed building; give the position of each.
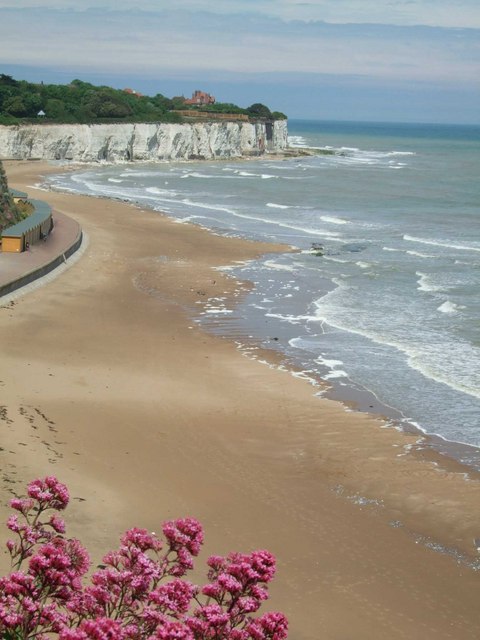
(200, 97)
(132, 92)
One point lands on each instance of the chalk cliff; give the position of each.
(144, 141)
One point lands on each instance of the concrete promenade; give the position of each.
(18, 270)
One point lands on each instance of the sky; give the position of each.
(363, 60)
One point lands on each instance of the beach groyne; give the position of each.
(142, 141)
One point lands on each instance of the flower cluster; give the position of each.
(138, 593)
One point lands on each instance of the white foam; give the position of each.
(436, 243)
(160, 192)
(114, 180)
(338, 373)
(332, 259)
(425, 356)
(272, 205)
(425, 283)
(297, 141)
(449, 307)
(271, 264)
(303, 375)
(334, 220)
(213, 310)
(419, 255)
(291, 318)
(263, 176)
(331, 364)
(333, 235)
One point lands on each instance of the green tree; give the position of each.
(15, 107)
(7, 80)
(259, 110)
(9, 214)
(55, 109)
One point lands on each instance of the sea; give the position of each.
(380, 300)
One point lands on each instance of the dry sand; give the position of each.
(106, 382)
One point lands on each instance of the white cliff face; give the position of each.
(144, 141)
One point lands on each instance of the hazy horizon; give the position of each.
(386, 61)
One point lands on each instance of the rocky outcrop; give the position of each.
(142, 142)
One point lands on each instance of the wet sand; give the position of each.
(107, 383)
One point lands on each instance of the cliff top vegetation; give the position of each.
(82, 102)
(10, 214)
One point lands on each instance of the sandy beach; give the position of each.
(107, 383)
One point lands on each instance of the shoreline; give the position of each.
(184, 412)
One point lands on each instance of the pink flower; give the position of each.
(141, 539)
(174, 596)
(60, 563)
(125, 599)
(49, 493)
(13, 524)
(270, 626)
(186, 532)
(173, 631)
(57, 524)
(22, 504)
(98, 629)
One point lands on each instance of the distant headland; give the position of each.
(79, 102)
(81, 122)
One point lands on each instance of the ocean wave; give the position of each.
(424, 353)
(271, 264)
(134, 173)
(438, 243)
(156, 191)
(419, 255)
(332, 259)
(334, 220)
(290, 318)
(425, 283)
(197, 174)
(218, 311)
(188, 219)
(338, 373)
(331, 364)
(332, 235)
(449, 307)
(272, 205)
(263, 176)
(297, 141)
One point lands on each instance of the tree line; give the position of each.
(10, 214)
(82, 102)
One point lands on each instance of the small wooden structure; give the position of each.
(17, 196)
(36, 227)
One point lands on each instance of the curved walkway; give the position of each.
(20, 269)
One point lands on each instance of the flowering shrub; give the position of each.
(138, 593)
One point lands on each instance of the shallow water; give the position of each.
(389, 301)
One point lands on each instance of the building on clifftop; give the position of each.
(200, 97)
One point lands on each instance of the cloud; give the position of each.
(243, 44)
(168, 41)
(465, 13)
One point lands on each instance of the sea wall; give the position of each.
(141, 142)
